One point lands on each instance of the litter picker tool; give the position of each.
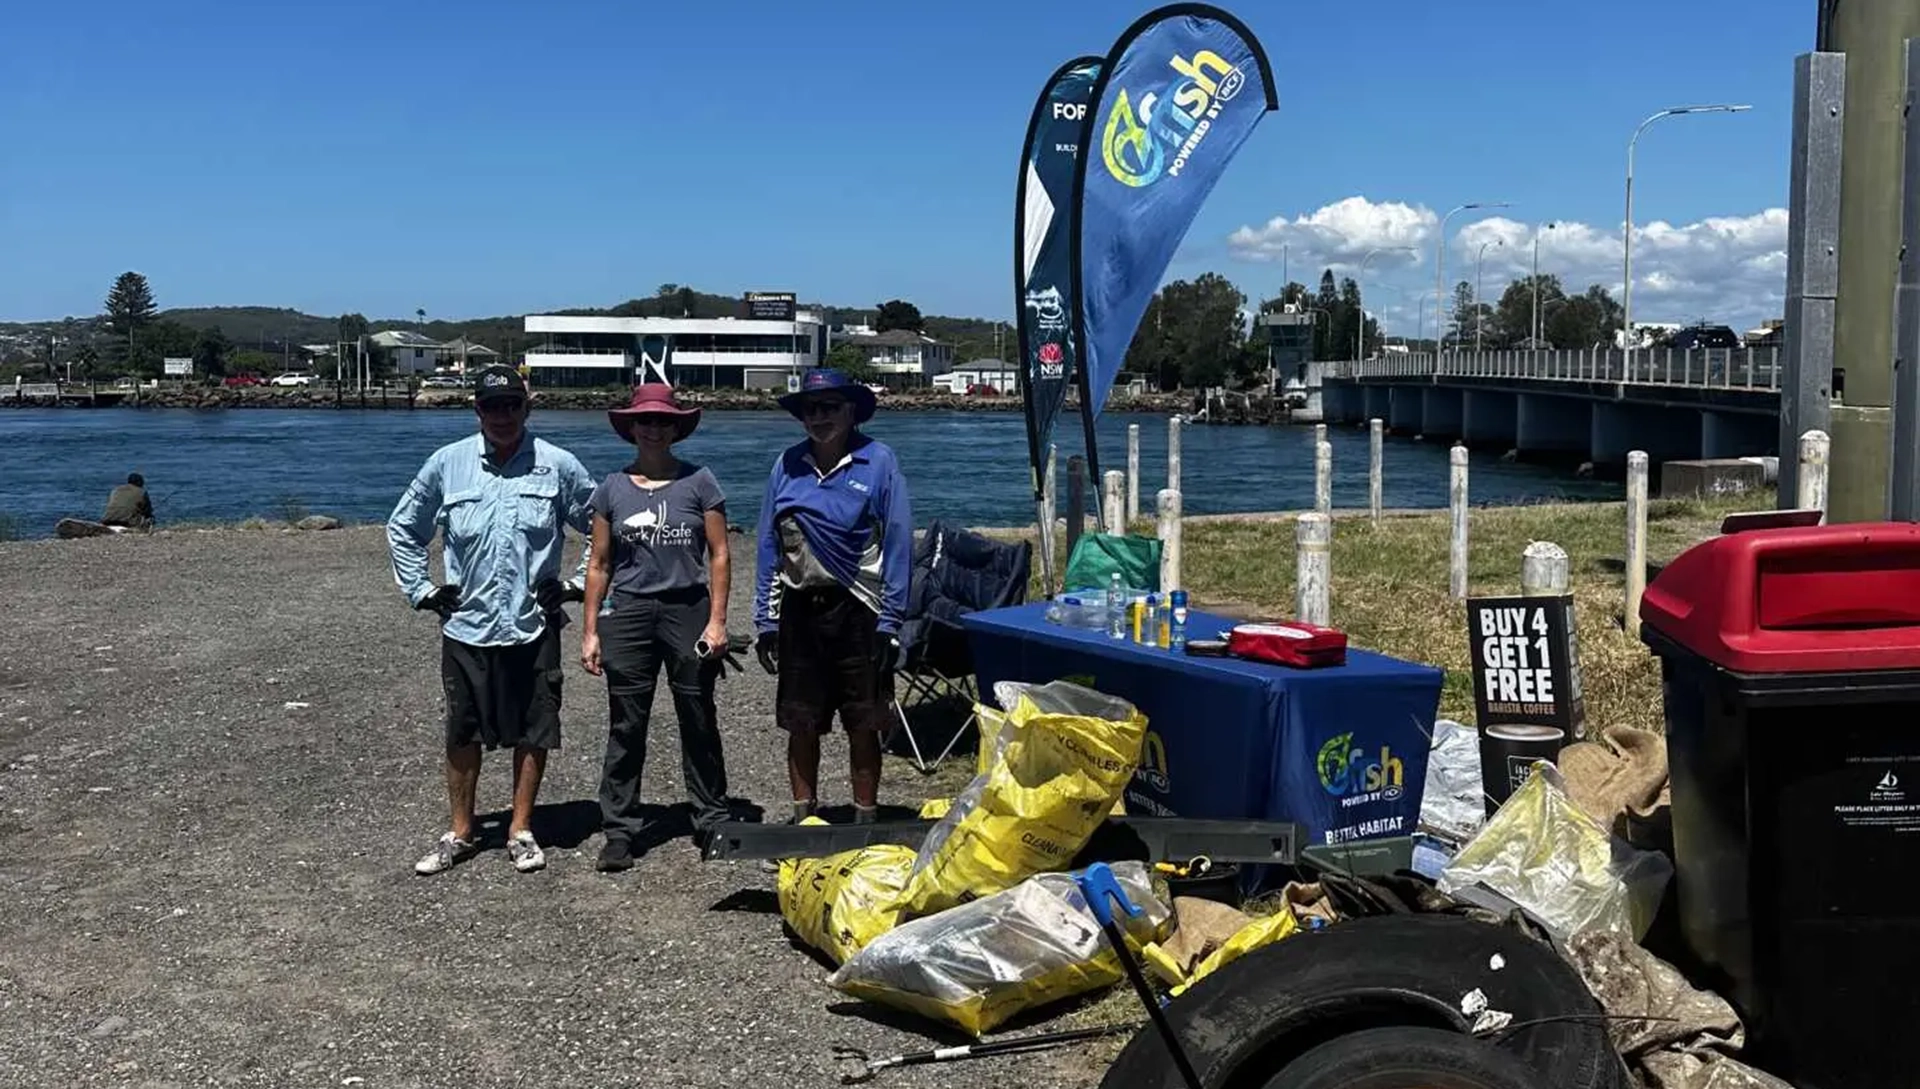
(1097, 885)
(860, 1067)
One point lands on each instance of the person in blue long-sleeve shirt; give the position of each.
(835, 556)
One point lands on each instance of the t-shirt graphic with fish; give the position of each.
(659, 532)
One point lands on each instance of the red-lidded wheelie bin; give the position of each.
(1790, 667)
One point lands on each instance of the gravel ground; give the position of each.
(219, 758)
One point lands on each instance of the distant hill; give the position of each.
(269, 328)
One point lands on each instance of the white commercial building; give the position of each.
(730, 353)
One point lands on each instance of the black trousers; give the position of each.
(636, 640)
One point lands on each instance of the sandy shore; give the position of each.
(219, 757)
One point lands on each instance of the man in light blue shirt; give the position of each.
(501, 500)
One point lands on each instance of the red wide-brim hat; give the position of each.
(653, 399)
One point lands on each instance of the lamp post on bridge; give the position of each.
(1626, 269)
(1440, 265)
(1534, 338)
(1360, 284)
(1479, 274)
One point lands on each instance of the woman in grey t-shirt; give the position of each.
(660, 555)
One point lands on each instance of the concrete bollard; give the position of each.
(1049, 512)
(1543, 570)
(1313, 541)
(1169, 507)
(1113, 510)
(1076, 502)
(1173, 453)
(1133, 473)
(1323, 478)
(1375, 451)
(1319, 435)
(1812, 475)
(1457, 508)
(1636, 538)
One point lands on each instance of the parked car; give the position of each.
(243, 379)
(294, 378)
(1703, 336)
(981, 389)
(443, 381)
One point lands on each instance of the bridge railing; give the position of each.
(1705, 368)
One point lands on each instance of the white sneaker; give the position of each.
(526, 853)
(444, 855)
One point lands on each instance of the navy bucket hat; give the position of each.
(827, 380)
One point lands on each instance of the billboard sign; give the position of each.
(177, 366)
(771, 305)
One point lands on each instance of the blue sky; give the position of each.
(484, 158)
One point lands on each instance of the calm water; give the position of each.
(969, 467)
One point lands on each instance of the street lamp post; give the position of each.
(1360, 285)
(1479, 274)
(1420, 327)
(1534, 337)
(1626, 265)
(1440, 263)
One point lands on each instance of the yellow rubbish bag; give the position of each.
(1067, 757)
(1262, 931)
(976, 965)
(840, 903)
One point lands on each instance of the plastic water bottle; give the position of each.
(1116, 608)
(1177, 639)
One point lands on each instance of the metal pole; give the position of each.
(1813, 257)
(1479, 277)
(1440, 264)
(1873, 37)
(1626, 271)
(1903, 498)
(1547, 226)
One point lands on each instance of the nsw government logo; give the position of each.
(1352, 775)
(1155, 137)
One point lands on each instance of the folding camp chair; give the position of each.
(954, 573)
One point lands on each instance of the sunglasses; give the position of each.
(655, 420)
(822, 407)
(500, 406)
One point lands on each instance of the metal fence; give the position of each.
(1715, 368)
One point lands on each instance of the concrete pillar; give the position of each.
(1737, 435)
(1405, 409)
(1546, 424)
(1489, 418)
(1333, 397)
(1440, 413)
(1379, 402)
(1666, 434)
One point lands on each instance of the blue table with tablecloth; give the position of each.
(1341, 750)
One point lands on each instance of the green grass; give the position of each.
(1389, 585)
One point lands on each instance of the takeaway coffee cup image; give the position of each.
(1508, 753)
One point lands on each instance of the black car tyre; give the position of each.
(1247, 1022)
(1405, 1058)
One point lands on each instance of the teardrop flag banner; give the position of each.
(1178, 95)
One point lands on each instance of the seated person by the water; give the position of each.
(129, 506)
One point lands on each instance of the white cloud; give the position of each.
(1727, 269)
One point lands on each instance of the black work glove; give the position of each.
(767, 647)
(442, 601)
(886, 654)
(553, 593)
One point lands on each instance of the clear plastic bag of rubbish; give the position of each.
(1056, 770)
(1454, 805)
(1544, 853)
(980, 963)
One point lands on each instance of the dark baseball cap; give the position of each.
(494, 382)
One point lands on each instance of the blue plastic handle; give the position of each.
(1097, 883)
